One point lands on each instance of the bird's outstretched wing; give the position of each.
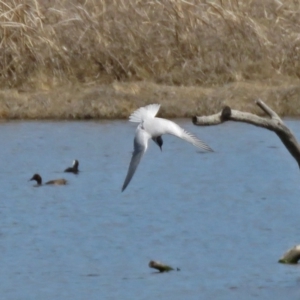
(140, 147)
(174, 129)
(143, 113)
(187, 136)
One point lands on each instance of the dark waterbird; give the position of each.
(74, 168)
(38, 180)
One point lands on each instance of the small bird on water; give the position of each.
(74, 168)
(38, 180)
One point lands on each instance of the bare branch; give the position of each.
(274, 124)
(267, 110)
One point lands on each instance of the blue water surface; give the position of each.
(223, 218)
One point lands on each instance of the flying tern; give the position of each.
(151, 127)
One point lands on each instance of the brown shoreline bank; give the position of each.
(103, 59)
(119, 99)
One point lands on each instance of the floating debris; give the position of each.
(291, 256)
(160, 266)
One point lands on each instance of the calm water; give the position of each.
(224, 218)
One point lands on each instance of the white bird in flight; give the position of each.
(153, 128)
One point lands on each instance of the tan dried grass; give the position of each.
(118, 100)
(202, 47)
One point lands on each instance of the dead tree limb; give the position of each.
(274, 124)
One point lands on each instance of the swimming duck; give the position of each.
(38, 180)
(74, 168)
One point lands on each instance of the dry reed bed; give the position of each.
(119, 99)
(59, 57)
